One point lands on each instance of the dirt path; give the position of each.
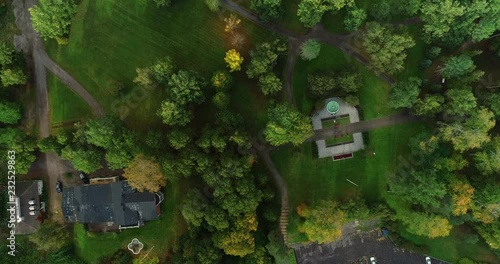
(52, 168)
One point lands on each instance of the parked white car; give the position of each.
(372, 260)
(427, 260)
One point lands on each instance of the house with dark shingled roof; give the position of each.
(114, 203)
(28, 206)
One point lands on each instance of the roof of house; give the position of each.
(26, 191)
(115, 202)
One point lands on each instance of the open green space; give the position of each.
(110, 39)
(65, 105)
(160, 234)
(338, 140)
(372, 95)
(311, 179)
(343, 120)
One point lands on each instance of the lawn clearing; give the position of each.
(311, 179)
(338, 120)
(162, 233)
(110, 39)
(333, 141)
(373, 94)
(65, 105)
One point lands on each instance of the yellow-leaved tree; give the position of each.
(323, 222)
(144, 174)
(462, 197)
(234, 60)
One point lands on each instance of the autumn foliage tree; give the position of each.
(462, 194)
(323, 223)
(144, 174)
(234, 60)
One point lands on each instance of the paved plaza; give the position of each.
(344, 110)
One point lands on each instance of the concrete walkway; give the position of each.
(364, 126)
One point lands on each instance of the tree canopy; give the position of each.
(52, 18)
(287, 125)
(310, 12)
(144, 174)
(387, 49)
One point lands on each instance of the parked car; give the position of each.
(427, 260)
(372, 260)
(59, 186)
(84, 178)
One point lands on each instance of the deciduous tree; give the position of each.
(323, 222)
(86, 160)
(488, 159)
(287, 125)
(471, 133)
(320, 84)
(264, 57)
(185, 88)
(440, 16)
(405, 93)
(354, 19)
(10, 113)
(460, 102)
(310, 12)
(13, 77)
(6, 54)
(234, 60)
(422, 224)
(457, 66)
(178, 138)
(270, 84)
(430, 106)
(462, 195)
(52, 18)
(51, 236)
(387, 49)
(267, 9)
(221, 80)
(144, 174)
(174, 114)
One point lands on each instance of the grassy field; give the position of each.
(110, 39)
(373, 94)
(311, 179)
(161, 233)
(65, 105)
(338, 140)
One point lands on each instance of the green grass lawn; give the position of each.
(311, 179)
(65, 105)
(110, 39)
(161, 234)
(338, 140)
(453, 247)
(343, 120)
(373, 94)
